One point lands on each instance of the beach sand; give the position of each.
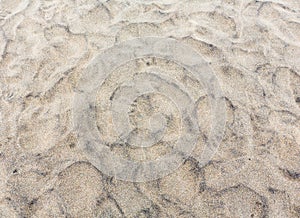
(253, 49)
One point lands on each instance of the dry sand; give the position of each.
(253, 48)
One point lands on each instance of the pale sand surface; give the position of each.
(253, 47)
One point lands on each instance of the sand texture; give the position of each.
(82, 80)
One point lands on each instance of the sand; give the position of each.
(81, 81)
